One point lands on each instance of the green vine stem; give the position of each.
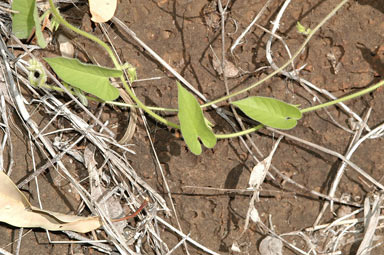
(349, 97)
(297, 53)
(241, 133)
(62, 21)
(145, 108)
(309, 109)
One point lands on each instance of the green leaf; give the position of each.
(302, 29)
(25, 20)
(89, 78)
(22, 22)
(192, 122)
(270, 111)
(39, 35)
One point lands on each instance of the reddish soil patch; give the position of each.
(181, 33)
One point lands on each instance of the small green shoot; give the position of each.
(80, 94)
(270, 111)
(192, 122)
(89, 78)
(302, 29)
(53, 24)
(131, 70)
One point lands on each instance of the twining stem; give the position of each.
(61, 20)
(349, 97)
(244, 132)
(309, 109)
(297, 53)
(145, 108)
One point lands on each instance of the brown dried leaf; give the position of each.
(15, 210)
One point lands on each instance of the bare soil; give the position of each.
(181, 32)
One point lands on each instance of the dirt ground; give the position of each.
(181, 32)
